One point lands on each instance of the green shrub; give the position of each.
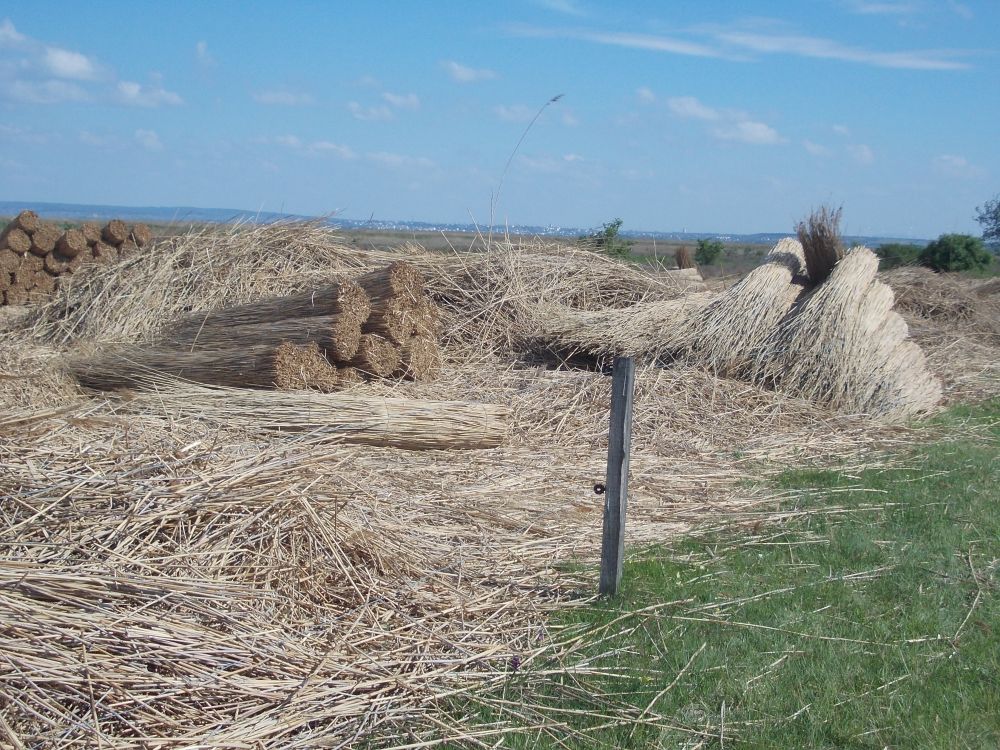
(606, 238)
(708, 251)
(956, 252)
(896, 254)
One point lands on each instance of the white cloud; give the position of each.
(315, 147)
(92, 139)
(957, 166)
(44, 92)
(828, 49)
(861, 153)
(815, 149)
(135, 94)
(869, 8)
(399, 160)
(841, 130)
(202, 54)
(464, 74)
(748, 131)
(9, 35)
(283, 98)
(336, 149)
(64, 63)
(514, 112)
(569, 7)
(689, 106)
(572, 157)
(149, 140)
(645, 95)
(650, 42)
(370, 114)
(402, 101)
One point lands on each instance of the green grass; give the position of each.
(871, 620)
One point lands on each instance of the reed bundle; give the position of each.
(725, 334)
(685, 258)
(283, 366)
(410, 424)
(821, 245)
(374, 356)
(27, 221)
(344, 299)
(15, 239)
(400, 308)
(338, 336)
(843, 346)
(419, 359)
(646, 328)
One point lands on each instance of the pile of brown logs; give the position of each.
(383, 325)
(35, 254)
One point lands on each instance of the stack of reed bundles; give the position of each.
(392, 333)
(35, 254)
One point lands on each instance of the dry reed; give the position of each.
(338, 335)
(375, 356)
(820, 238)
(685, 258)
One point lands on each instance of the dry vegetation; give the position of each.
(224, 569)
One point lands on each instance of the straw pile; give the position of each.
(34, 255)
(844, 347)
(945, 298)
(174, 571)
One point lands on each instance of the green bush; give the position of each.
(896, 254)
(956, 252)
(708, 251)
(606, 238)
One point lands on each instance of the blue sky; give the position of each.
(709, 116)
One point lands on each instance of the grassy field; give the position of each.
(870, 619)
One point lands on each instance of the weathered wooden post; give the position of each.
(616, 489)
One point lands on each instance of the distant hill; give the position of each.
(191, 215)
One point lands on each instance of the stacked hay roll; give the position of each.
(34, 254)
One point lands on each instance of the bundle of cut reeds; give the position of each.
(338, 335)
(412, 424)
(284, 366)
(845, 347)
(725, 334)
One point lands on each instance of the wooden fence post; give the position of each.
(616, 489)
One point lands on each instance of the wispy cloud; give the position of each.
(514, 112)
(651, 42)
(202, 55)
(154, 95)
(283, 98)
(861, 153)
(44, 92)
(841, 130)
(402, 101)
(728, 125)
(388, 159)
(149, 140)
(377, 113)
(884, 8)
(689, 106)
(569, 7)
(959, 167)
(9, 35)
(749, 131)
(322, 147)
(815, 148)
(464, 74)
(645, 95)
(828, 49)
